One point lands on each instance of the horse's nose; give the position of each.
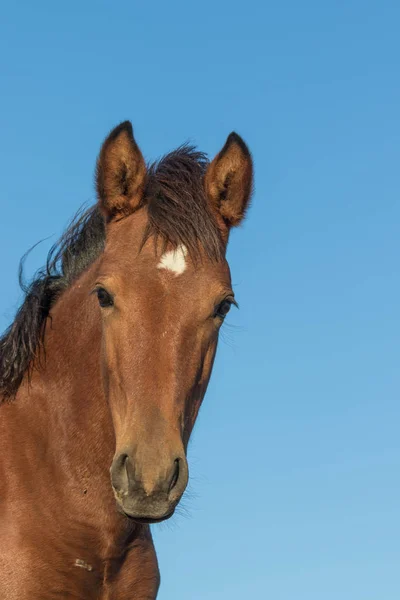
(148, 490)
(124, 477)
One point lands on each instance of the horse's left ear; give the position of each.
(121, 173)
(229, 181)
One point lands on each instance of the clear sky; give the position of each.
(295, 491)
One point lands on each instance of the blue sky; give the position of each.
(295, 459)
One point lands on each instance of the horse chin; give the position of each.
(145, 519)
(149, 520)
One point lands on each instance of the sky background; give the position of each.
(295, 490)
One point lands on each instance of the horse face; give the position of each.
(163, 288)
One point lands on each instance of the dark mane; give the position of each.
(78, 247)
(178, 214)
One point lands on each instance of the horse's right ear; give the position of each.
(120, 174)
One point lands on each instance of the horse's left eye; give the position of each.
(223, 308)
(105, 299)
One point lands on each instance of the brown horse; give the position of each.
(106, 364)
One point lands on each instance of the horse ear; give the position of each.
(229, 181)
(121, 173)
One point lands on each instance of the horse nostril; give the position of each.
(119, 474)
(175, 475)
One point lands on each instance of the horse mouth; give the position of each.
(146, 520)
(150, 520)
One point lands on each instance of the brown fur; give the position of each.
(119, 386)
(121, 173)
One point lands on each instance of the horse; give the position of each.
(104, 369)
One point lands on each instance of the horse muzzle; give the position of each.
(148, 493)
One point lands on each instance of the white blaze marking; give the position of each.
(174, 260)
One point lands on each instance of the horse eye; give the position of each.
(105, 299)
(223, 309)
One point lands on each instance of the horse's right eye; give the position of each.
(105, 299)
